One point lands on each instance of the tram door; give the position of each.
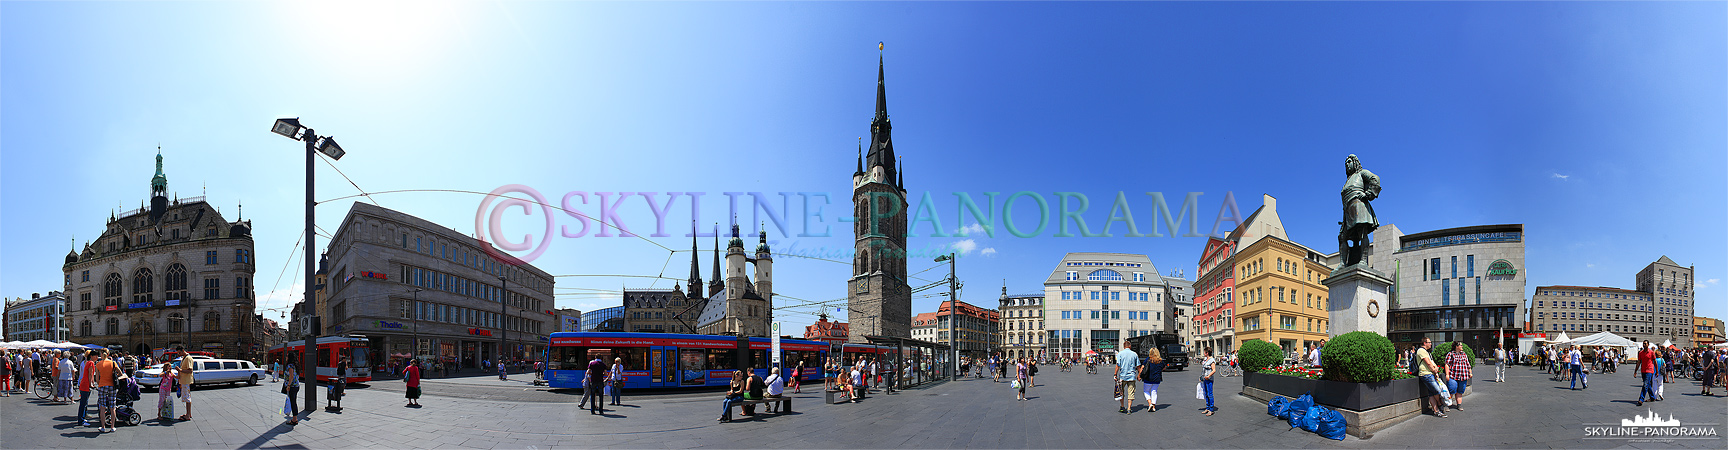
(662, 367)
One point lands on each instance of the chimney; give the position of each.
(1270, 202)
(35, 295)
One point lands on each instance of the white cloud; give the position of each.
(1588, 265)
(988, 251)
(1561, 177)
(1706, 283)
(969, 230)
(964, 247)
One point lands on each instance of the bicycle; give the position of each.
(44, 387)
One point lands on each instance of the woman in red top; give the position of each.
(412, 376)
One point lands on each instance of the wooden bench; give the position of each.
(784, 401)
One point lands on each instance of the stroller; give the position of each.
(124, 414)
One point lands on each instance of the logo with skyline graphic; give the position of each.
(1652, 427)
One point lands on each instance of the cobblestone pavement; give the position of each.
(1066, 410)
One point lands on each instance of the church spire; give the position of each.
(860, 171)
(881, 152)
(881, 87)
(695, 280)
(716, 283)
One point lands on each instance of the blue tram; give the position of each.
(662, 360)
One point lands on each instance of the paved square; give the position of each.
(1066, 410)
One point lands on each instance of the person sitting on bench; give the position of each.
(734, 393)
(753, 388)
(845, 384)
(775, 386)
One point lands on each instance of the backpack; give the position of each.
(1415, 364)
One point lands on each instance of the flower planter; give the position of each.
(1338, 394)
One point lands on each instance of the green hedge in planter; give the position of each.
(1441, 349)
(1256, 354)
(1359, 357)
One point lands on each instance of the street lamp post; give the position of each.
(414, 311)
(292, 129)
(953, 316)
(504, 318)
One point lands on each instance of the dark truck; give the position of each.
(1169, 347)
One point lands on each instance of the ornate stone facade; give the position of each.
(135, 287)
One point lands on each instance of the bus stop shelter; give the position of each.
(918, 362)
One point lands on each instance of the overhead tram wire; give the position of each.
(345, 177)
(285, 265)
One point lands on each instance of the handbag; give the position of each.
(1118, 391)
(1016, 385)
(1200, 391)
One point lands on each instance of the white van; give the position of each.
(208, 371)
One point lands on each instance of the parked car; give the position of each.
(208, 371)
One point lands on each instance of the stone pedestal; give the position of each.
(1357, 300)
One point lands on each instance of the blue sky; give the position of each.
(1601, 126)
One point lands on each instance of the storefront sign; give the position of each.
(479, 332)
(1502, 267)
(110, 308)
(377, 275)
(384, 324)
(171, 303)
(139, 305)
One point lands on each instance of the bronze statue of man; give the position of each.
(1360, 187)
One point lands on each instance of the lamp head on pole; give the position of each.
(288, 127)
(328, 146)
(943, 258)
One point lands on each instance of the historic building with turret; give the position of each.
(172, 272)
(877, 293)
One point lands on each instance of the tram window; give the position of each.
(720, 359)
(324, 358)
(759, 359)
(634, 358)
(569, 358)
(360, 359)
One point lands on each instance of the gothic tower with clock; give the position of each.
(878, 295)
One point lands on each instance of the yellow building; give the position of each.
(1706, 331)
(1279, 298)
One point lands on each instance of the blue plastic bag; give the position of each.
(1331, 424)
(1275, 407)
(1311, 420)
(1298, 408)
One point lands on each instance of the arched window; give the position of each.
(84, 329)
(1104, 275)
(212, 321)
(174, 285)
(143, 285)
(113, 326)
(175, 321)
(112, 289)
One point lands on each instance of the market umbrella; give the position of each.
(94, 346)
(39, 343)
(1721, 345)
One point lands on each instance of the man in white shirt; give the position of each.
(1314, 355)
(1500, 363)
(776, 386)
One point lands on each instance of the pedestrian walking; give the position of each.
(1708, 360)
(86, 383)
(615, 379)
(1578, 373)
(1151, 375)
(291, 388)
(187, 367)
(1647, 372)
(275, 371)
(798, 378)
(64, 376)
(412, 376)
(107, 374)
(5, 373)
(1020, 380)
(596, 379)
(1127, 365)
(1500, 363)
(164, 394)
(501, 374)
(1458, 374)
